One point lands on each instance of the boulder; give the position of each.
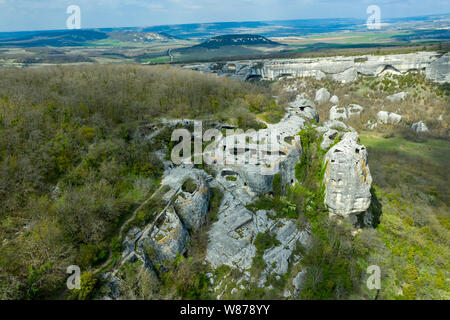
(347, 177)
(337, 113)
(340, 113)
(395, 118)
(304, 108)
(397, 97)
(388, 117)
(420, 127)
(337, 125)
(354, 110)
(322, 96)
(334, 100)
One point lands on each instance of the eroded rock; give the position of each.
(322, 96)
(388, 117)
(347, 177)
(420, 127)
(398, 97)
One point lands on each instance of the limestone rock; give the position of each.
(193, 207)
(349, 75)
(260, 155)
(165, 240)
(304, 108)
(328, 138)
(341, 113)
(322, 96)
(129, 244)
(277, 258)
(439, 70)
(334, 100)
(337, 113)
(354, 110)
(298, 282)
(388, 117)
(420, 127)
(347, 177)
(344, 69)
(398, 97)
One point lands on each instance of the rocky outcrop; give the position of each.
(329, 138)
(419, 127)
(397, 97)
(322, 96)
(193, 207)
(341, 113)
(338, 113)
(343, 69)
(439, 69)
(304, 107)
(277, 258)
(347, 177)
(334, 100)
(388, 117)
(263, 153)
(243, 173)
(166, 240)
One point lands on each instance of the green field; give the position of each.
(433, 150)
(411, 243)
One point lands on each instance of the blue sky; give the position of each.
(18, 15)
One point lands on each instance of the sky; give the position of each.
(22, 15)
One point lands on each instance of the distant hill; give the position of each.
(236, 40)
(232, 45)
(137, 36)
(64, 38)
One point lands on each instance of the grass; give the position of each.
(433, 150)
(413, 238)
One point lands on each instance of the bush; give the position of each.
(189, 186)
(88, 284)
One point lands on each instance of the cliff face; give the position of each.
(343, 69)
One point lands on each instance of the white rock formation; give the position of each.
(322, 96)
(354, 110)
(347, 177)
(341, 113)
(193, 207)
(397, 97)
(304, 107)
(166, 240)
(388, 117)
(344, 69)
(420, 127)
(439, 70)
(338, 113)
(328, 138)
(334, 100)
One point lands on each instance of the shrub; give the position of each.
(189, 186)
